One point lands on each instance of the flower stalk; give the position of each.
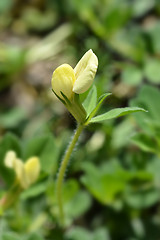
(10, 197)
(25, 175)
(67, 84)
(62, 171)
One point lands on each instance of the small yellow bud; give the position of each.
(9, 159)
(32, 169)
(69, 81)
(63, 80)
(18, 167)
(26, 173)
(85, 71)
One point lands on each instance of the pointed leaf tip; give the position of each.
(95, 110)
(115, 113)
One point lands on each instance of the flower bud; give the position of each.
(63, 80)
(68, 83)
(18, 167)
(32, 169)
(26, 173)
(85, 71)
(9, 158)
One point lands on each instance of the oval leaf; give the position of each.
(115, 113)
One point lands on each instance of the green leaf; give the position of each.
(78, 233)
(122, 133)
(130, 43)
(34, 236)
(95, 110)
(11, 236)
(142, 7)
(142, 198)
(75, 201)
(9, 142)
(34, 191)
(46, 149)
(115, 113)
(5, 6)
(108, 182)
(103, 184)
(131, 75)
(12, 118)
(148, 98)
(152, 70)
(70, 188)
(145, 142)
(153, 167)
(153, 32)
(78, 205)
(90, 102)
(101, 234)
(108, 190)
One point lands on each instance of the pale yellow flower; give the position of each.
(9, 158)
(63, 80)
(32, 169)
(68, 81)
(85, 71)
(26, 173)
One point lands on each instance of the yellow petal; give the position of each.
(62, 81)
(9, 158)
(85, 72)
(18, 166)
(32, 169)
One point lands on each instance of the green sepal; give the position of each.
(66, 99)
(95, 110)
(74, 106)
(76, 98)
(76, 109)
(59, 97)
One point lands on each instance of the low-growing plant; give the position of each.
(68, 84)
(33, 160)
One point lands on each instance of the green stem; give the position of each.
(63, 169)
(10, 197)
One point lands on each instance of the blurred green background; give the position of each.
(112, 187)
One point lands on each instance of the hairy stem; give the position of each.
(63, 169)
